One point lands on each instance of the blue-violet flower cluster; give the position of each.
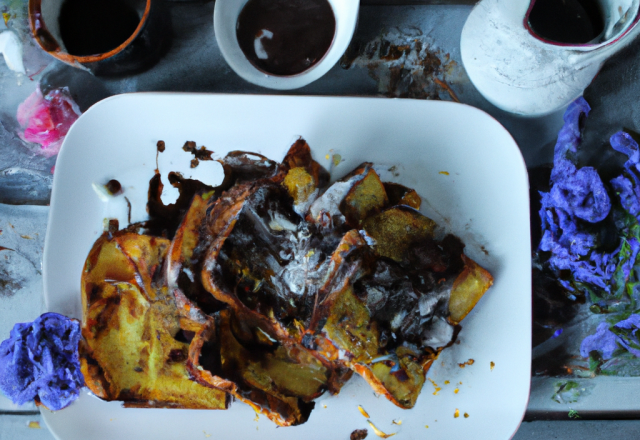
(576, 196)
(609, 338)
(40, 360)
(572, 215)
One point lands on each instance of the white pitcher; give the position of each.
(524, 73)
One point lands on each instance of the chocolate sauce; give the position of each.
(113, 187)
(285, 37)
(165, 219)
(92, 27)
(567, 21)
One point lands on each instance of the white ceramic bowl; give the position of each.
(225, 18)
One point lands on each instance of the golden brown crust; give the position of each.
(130, 350)
(366, 198)
(299, 155)
(182, 324)
(468, 288)
(252, 382)
(259, 328)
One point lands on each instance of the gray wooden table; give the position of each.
(194, 64)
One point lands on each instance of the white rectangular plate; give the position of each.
(463, 163)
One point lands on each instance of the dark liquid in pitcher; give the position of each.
(567, 21)
(285, 37)
(91, 27)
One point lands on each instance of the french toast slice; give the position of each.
(272, 291)
(275, 381)
(184, 260)
(387, 320)
(192, 237)
(135, 349)
(271, 294)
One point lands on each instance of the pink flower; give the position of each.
(47, 119)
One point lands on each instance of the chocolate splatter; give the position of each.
(160, 147)
(202, 153)
(198, 153)
(359, 434)
(128, 210)
(113, 187)
(189, 146)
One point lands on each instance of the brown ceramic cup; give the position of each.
(139, 51)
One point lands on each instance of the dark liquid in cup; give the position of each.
(285, 37)
(567, 21)
(92, 27)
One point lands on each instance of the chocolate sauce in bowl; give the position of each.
(285, 37)
(92, 27)
(567, 21)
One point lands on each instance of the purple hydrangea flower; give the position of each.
(627, 185)
(604, 341)
(581, 193)
(579, 197)
(608, 339)
(576, 195)
(627, 265)
(569, 135)
(572, 248)
(40, 359)
(626, 332)
(561, 236)
(627, 193)
(624, 143)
